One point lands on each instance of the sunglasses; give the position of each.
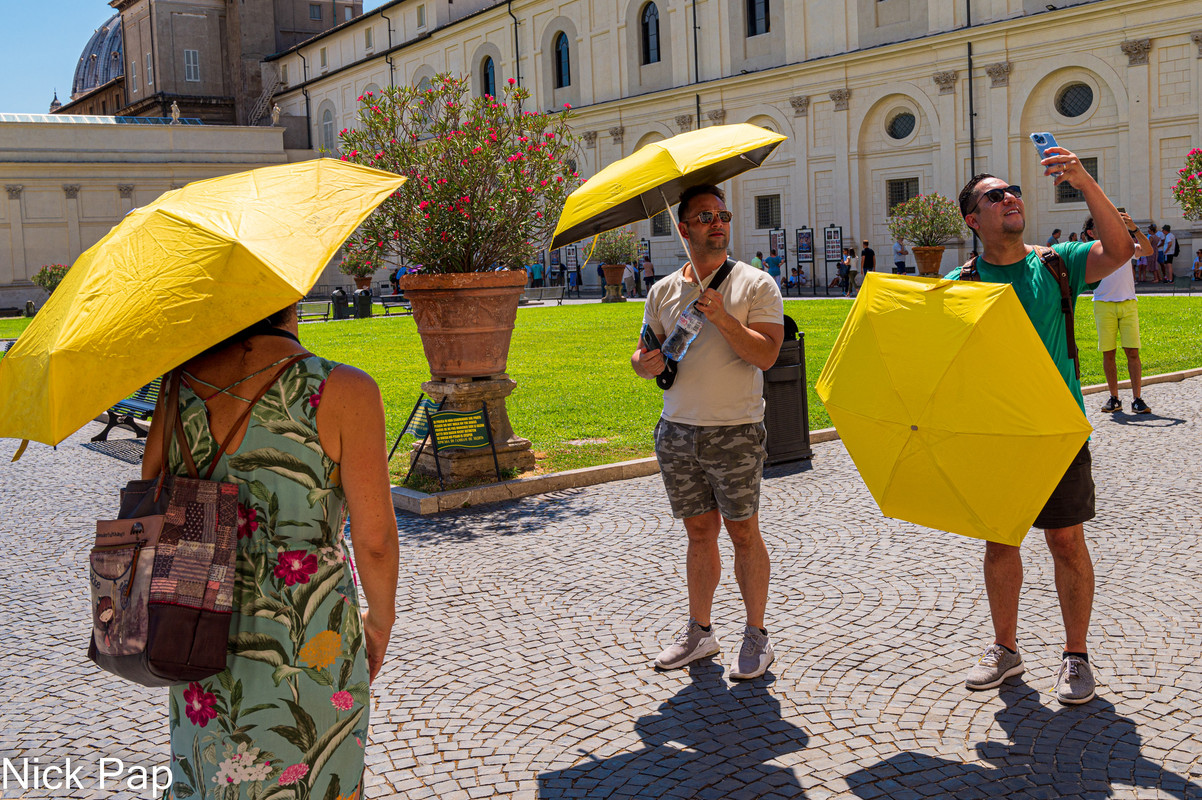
(996, 196)
(706, 217)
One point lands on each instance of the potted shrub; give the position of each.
(927, 222)
(1188, 189)
(50, 276)
(487, 181)
(615, 249)
(359, 265)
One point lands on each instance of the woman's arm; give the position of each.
(350, 422)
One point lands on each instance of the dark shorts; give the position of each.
(1072, 502)
(711, 467)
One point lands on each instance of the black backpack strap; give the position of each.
(721, 274)
(968, 272)
(1051, 259)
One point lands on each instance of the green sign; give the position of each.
(417, 421)
(463, 429)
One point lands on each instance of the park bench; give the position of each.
(138, 406)
(542, 294)
(313, 309)
(395, 301)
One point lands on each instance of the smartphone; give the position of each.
(1042, 142)
(1121, 210)
(650, 340)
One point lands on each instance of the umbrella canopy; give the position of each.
(950, 406)
(175, 277)
(643, 184)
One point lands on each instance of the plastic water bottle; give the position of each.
(686, 330)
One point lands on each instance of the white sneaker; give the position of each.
(692, 643)
(754, 656)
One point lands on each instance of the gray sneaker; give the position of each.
(693, 643)
(993, 667)
(754, 656)
(1074, 682)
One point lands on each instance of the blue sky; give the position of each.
(43, 46)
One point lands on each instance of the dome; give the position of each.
(101, 60)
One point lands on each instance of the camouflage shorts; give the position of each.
(711, 467)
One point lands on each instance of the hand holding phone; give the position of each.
(1042, 142)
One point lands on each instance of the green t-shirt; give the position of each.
(1039, 293)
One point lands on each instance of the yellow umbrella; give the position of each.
(643, 184)
(950, 406)
(175, 277)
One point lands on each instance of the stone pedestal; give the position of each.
(468, 394)
(613, 283)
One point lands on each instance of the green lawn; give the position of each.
(575, 383)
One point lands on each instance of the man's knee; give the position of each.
(1132, 354)
(1067, 544)
(998, 553)
(743, 532)
(704, 528)
(1108, 356)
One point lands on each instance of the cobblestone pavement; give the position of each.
(521, 662)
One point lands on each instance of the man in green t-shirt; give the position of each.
(995, 211)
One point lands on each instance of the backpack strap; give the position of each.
(1051, 259)
(968, 272)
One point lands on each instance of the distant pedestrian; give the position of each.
(1054, 238)
(867, 258)
(1116, 315)
(1169, 250)
(899, 257)
(758, 261)
(628, 279)
(1198, 265)
(648, 274)
(536, 274)
(1072, 237)
(772, 267)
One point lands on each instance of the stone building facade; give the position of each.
(880, 99)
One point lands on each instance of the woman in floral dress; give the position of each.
(288, 719)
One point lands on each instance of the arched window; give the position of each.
(327, 131)
(563, 69)
(488, 78)
(757, 17)
(650, 34)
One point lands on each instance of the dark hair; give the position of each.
(1168, 227)
(774, 251)
(687, 196)
(1055, 231)
(1086, 227)
(969, 191)
(266, 324)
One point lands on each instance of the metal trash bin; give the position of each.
(786, 405)
(362, 303)
(342, 309)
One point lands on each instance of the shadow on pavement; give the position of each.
(1152, 420)
(709, 736)
(506, 518)
(1075, 751)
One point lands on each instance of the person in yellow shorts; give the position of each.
(1116, 313)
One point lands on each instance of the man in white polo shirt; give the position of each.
(1116, 314)
(710, 439)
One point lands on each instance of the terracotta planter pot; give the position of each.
(465, 319)
(928, 259)
(363, 283)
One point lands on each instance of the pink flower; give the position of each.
(342, 701)
(248, 521)
(198, 704)
(314, 400)
(295, 566)
(293, 774)
(512, 81)
(567, 105)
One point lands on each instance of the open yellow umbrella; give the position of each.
(175, 277)
(950, 406)
(650, 180)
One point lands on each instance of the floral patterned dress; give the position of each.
(289, 717)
